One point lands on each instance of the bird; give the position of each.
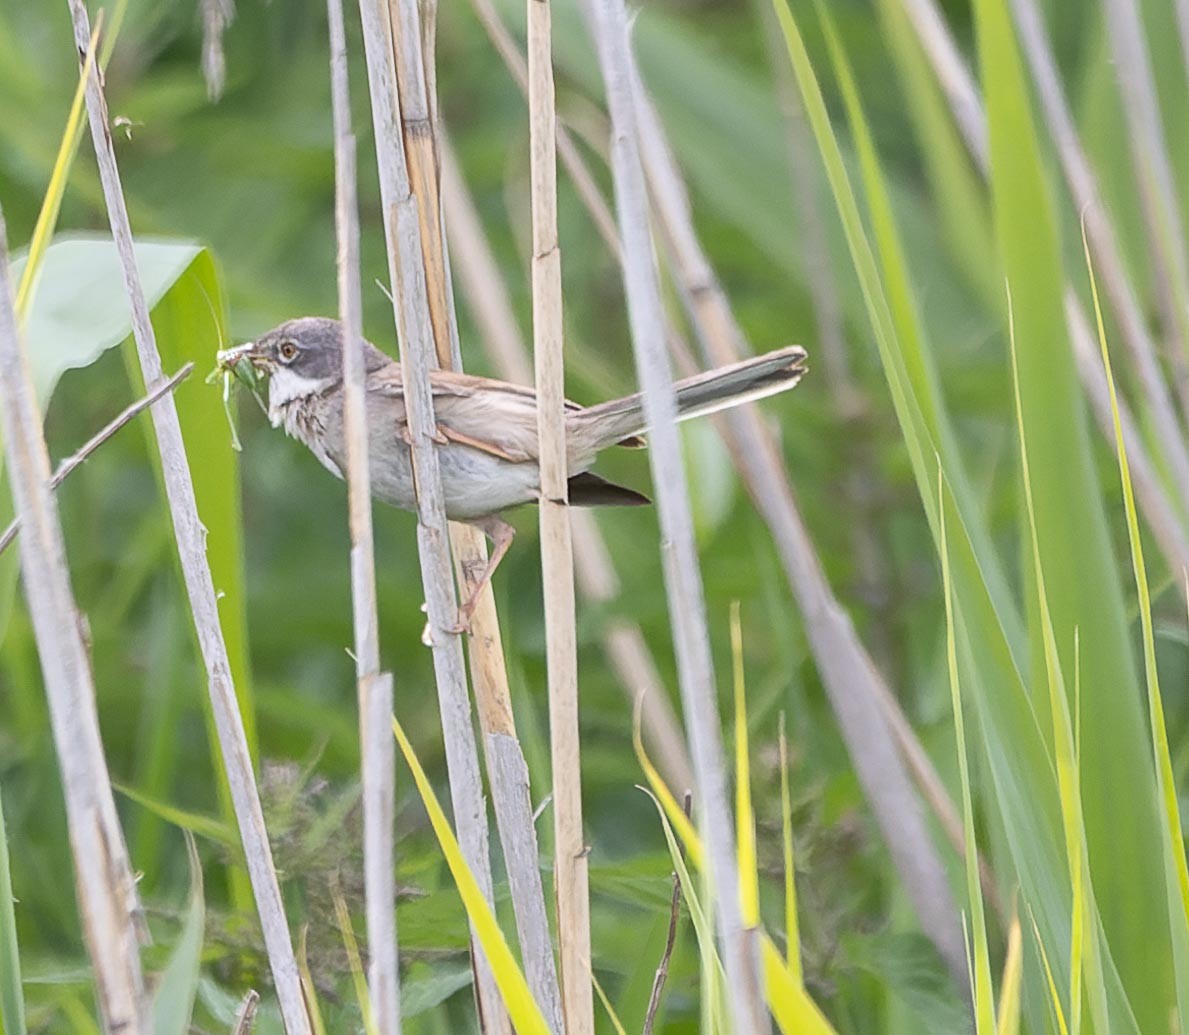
(486, 429)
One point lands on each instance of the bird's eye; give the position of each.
(288, 350)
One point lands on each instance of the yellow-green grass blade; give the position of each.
(790, 1004)
(749, 878)
(795, 1012)
(522, 1008)
(12, 997)
(1083, 953)
(1082, 587)
(713, 977)
(308, 990)
(342, 917)
(173, 996)
(792, 933)
(51, 205)
(192, 822)
(673, 812)
(612, 1016)
(1050, 982)
(1176, 870)
(984, 993)
(1007, 1020)
(1016, 754)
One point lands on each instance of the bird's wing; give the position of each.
(495, 417)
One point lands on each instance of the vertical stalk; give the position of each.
(104, 885)
(374, 687)
(571, 882)
(683, 580)
(191, 543)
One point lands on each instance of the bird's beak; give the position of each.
(228, 359)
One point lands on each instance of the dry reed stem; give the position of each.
(374, 688)
(191, 542)
(584, 183)
(683, 580)
(852, 681)
(570, 874)
(507, 769)
(415, 334)
(966, 107)
(486, 295)
(104, 883)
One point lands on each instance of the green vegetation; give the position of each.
(989, 477)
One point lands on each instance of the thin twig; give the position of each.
(375, 688)
(570, 875)
(416, 337)
(191, 542)
(245, 1020)
(662, 970)
(104, 883)
(75, 460)
(683, 580)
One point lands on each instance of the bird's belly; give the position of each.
(474, 483)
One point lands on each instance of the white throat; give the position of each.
(285, 387)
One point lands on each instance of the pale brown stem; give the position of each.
(191, 542)
(374, 689)
(570, 877)
(104, 885)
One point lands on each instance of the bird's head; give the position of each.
(302, 358)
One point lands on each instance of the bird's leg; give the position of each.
(501, 535)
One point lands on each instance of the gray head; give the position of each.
(301, 357)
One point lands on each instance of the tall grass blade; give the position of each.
(749, 880)
(1082, 587)
(612, 1016)
(1050, 982)
(1008, 1018)
(309, 992)
(12, 996)
(984, 994)
(714, 980)
(1176, 870)
(342, 917)
(989, 629)
(1085, 969)
(173, 999)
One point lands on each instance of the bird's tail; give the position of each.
(709, 392)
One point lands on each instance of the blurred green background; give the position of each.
(251, 177)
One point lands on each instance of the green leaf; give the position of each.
(173, 1002)
(12, 999)
(1084, 590)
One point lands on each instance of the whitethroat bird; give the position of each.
(487, 429)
